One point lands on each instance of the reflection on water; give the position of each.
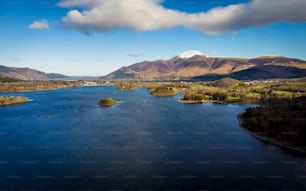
(63, 141)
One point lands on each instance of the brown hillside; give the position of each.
(182, 68)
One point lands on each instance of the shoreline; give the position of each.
(163, 95)
(212, 101)
(199, 102)
(126, 89)
(271, 140)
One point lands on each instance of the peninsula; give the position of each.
(4, 100)
(279, 121)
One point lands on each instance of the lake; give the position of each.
(62, 140)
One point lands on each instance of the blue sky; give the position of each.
(96, 37)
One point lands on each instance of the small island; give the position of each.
(279, 121)
(4, 100)
(163, 91)
(108, 101)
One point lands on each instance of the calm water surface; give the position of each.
(63, 141)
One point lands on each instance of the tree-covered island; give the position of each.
(108, 101)
(163, 91)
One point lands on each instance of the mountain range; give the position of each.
(189, 65)
(14, 73)
(196, 66)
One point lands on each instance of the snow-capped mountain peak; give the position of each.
(190, 53)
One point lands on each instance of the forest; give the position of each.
(279, 121)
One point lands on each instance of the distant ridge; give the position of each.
(4, 78)
(195, 65)
(14, 73)
(258, 73)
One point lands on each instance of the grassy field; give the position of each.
(233, 91)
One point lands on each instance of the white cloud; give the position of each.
(146, 15)
(134, 54)
(40, 25)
